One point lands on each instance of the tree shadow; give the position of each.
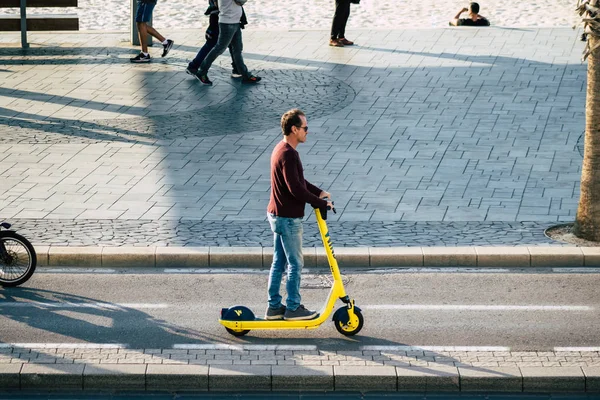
(52, 318)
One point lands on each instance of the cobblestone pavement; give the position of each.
(258, 234)
(413, 357)
(440, 137)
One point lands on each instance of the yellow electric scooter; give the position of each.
(239, 320)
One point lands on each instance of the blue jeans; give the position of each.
(287, 240)
(229, 34)
(203, 52)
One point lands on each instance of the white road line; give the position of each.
(64, 345)
(215, 271)
(459, 307)
(577, 270)
(103, 306)
(557, 349)
(82, 270)
(441, 270)
(256, 347)
(434, 348)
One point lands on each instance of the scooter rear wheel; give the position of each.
(237, 313)
(237, 332)
(348, 329)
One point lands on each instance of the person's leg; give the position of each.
(202, 53)
(142, 17)
(236, 48)
(276, 273)
(234, 71)
(143, 32)
(155, 33)
(292, 245)
(226, 32)
(335, 24)
(345, 14)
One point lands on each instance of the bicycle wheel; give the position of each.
(17, 261)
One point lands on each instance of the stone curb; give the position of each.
(348, 257)
(297, 378)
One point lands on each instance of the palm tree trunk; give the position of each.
(587, 222)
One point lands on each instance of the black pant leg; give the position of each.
(344, 18)
(340, 17)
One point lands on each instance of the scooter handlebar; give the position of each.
(325, 209)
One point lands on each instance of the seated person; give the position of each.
(474, 18)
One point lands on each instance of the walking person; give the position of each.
(211, 35)
(230, 34)
(142, 18)
(338, 26)
(289, 194)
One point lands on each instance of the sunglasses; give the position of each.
(304, 127)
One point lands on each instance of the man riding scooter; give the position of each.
(289, 194)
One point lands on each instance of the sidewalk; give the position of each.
(443, 137)
(292, 368)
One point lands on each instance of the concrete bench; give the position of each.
(37, 22)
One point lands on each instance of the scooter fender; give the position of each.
(342, 314)
(237, 313)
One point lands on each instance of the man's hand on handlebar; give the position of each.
(331, 207)
(325, 195)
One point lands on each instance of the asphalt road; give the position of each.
(153, 309)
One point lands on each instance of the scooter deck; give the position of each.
(260, 323)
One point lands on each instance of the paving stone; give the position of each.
(130, 257)
(556, 257)
(9, 376)
(396, 256)
(379, 378)
(303, 378)
(357, 257)
(197, 233)
(503, 257)
(114, 376)
(553, 379)
(592, 378)
(177, 377)
(591, 256)
(178, 257)
(239, 377)
(449, 256)
(435, 378)
(75, 256)
(490, 379)
(248, 257)
(57, 376)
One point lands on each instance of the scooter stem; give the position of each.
(333, 265)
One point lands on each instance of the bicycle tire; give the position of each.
(23, 262)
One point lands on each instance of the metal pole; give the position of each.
(135, 36)
(24, 43)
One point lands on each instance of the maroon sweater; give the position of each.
(289, 190)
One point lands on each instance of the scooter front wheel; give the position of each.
(237, 332)
(353, 326)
